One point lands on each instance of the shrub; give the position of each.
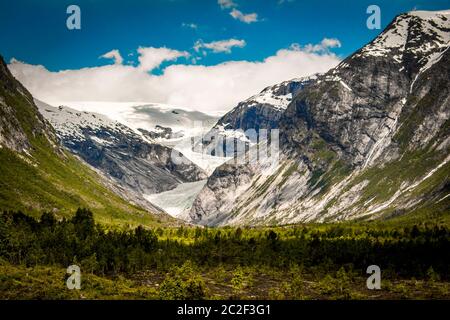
(433, 275)
(241, 280)
(183, 283)
(338, 287)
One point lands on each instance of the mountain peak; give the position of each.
(430, 15)
(278, 96)
(412, 40)
(418, 32)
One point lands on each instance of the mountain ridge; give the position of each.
(356, 143)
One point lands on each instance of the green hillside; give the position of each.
(45, 182)
(38, 175)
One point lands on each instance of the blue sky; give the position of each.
(206, 55)
(34, 30)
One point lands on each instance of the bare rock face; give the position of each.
(350, 105)
(367, 139)
(160, 132)
(264, 110)
(244, 122)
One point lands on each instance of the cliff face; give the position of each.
(355, 105)
(368, 139)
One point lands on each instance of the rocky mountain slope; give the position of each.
(19, 118)
(368, 139)
(132, 161)
(264, 109)
(261, 111)
(37, 174)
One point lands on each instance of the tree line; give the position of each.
(399, 251)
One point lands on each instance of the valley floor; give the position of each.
(44, 282)
(323, 261)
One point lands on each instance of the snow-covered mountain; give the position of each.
(139, 165)
(164, 124)
(368, 139)
(147, 116)
(417, 36)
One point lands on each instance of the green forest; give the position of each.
(326, 261)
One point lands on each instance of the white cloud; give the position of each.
(113, 54)
(331, 43)
(219, 46)
(151, 58)
(237, 14)
(189, 25)
(246, 18)
(204, 88)
(226, 4)
(324, 45)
